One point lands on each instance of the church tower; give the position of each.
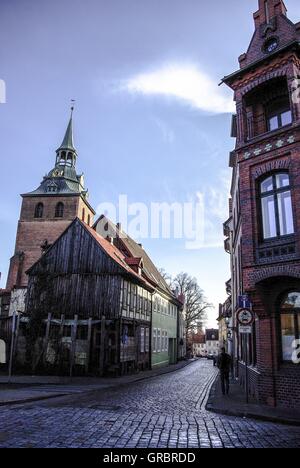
(47, 211)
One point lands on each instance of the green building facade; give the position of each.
(164, 331)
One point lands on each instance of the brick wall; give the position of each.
(32, 232)
(271, 268)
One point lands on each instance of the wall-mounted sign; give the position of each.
(245, 329)
(245, 317)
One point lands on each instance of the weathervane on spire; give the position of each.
(72, 106)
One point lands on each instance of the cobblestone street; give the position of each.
(167, 411)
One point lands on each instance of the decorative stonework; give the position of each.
(270, 166)
(276, 271)
(270, 146)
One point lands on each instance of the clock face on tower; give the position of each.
(270, 45)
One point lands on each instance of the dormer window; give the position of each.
(52, 187)
(278, 114)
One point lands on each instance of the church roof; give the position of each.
(63, 179)
(68, 141)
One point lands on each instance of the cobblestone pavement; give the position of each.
(167, 411)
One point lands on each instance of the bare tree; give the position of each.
(196, 305)
(166, 276)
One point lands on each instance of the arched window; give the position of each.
(62, 158)
(39, 209)
(89, 219)
(83, 214)
(70, 159)
(59, 210)
(290, 324)
(276, 206)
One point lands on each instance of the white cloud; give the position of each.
(185, 82)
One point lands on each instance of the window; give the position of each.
(162, 340)
(142, 342)
(276, 206)
(59, 210)
(52, 187)
(158, 347)
(166, 341)
(290, 324)
(154, 344)
(125, 295)
(39, 209)
(146, 340)
(62, 158)
(89, 219)
(279, 114)
(70, 159)
(83, 214)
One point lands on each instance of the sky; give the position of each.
(150, 120)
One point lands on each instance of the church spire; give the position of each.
(68, 142)
(66, 154)
(267, 10)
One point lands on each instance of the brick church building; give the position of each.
(45, 213)
(263, 229)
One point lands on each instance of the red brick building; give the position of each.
(263, 229)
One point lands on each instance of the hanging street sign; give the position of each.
(245, 317)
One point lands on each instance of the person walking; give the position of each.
(224, 364)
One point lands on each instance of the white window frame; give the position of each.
(142, 339)
(147, 334)
(158, 348)
(154, 340)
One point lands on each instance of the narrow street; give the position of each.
(161, 412)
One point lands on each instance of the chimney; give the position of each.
(267, 9)
(110, 239)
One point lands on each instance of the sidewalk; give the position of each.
(235, 404)
(24, 388)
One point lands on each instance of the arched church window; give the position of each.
(59, 210)
(290, 325)
(276, 206)
(89, 219)
(83, 214)
(39, 209)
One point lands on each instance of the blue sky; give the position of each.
(150, 120)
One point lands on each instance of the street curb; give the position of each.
(30, 400)
(245, 414)
(57, 395)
